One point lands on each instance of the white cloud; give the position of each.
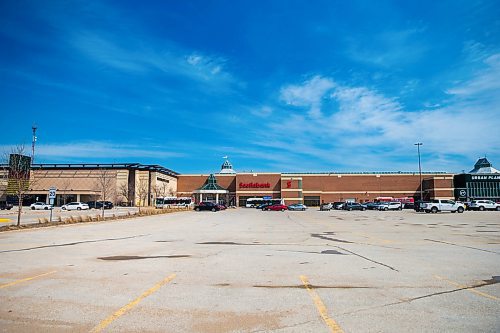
(96, 150)
(309, 94)
(131, 56)
(485, 81)
(375, 131)
(264, 111)
(389, 48)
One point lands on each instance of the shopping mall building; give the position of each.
(138, 184)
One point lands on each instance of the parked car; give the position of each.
(419, 205)
(484, 205)
(212, 206)
(393, 205)
(297, 206)
(40, 205)
(75, 206)
(5, 205)
(441, 205)
(409, 205)
(222, 206)
(372, 205)
(354, 206)
(276, 207)
(326, 206)
(263, 205)
(99, 204)
(338, 205)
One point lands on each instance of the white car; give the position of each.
(40, 205)
(394, 205)
(484, 205)
(75, 206)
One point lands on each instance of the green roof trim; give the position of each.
(212, 185)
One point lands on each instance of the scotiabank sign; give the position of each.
(254, 185)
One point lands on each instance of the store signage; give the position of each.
(254, 185)
(485, 177)
(289, 184)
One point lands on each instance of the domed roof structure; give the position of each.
(227, 167)
(483, 166)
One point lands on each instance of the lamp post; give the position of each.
(418, 144)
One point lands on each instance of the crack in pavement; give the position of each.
(145, 257)
(301, 286)
(325, 234)
(465, 246)
(73, 243)
(493, 280)
(371, 260)
(312, 252)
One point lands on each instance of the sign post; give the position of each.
(52, 196)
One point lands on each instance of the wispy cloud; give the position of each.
(130, 56)
(388, 48)
(378, 132)
(309, 94)
(89, 150)
(486, 81)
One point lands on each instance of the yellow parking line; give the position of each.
(5, 220)
(24, 280)
(334, 327)
(471, 289)
(103, 324)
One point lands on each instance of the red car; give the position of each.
(276, 207)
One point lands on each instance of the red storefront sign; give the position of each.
(254, 185)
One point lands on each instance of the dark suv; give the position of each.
(207, 206)
(99, 204)
(353, 206)
(5, 205)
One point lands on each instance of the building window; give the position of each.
(312, 201)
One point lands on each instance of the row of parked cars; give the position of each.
(215, 207)
(443, 205)
(393, 205)
(74, 205)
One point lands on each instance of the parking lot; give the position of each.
(245, 270)
(29, 216)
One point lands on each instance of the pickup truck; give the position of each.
(442, 205)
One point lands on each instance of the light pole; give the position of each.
(418, 144)
(33, 128)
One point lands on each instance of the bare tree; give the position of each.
(64, 189)
(124, 192)
(164, 188)
(158, 191)
(142, 191)
(20, 178)
(104, 186)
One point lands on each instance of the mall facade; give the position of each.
(312, 189)
(139, 185)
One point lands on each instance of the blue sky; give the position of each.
(287, 86)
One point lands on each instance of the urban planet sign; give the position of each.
(254, 185)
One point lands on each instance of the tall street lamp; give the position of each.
(418, 144)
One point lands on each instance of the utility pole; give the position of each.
(418, 144)
(33, 144)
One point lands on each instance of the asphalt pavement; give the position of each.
(245, 270)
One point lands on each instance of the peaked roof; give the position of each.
(227, 167)
(483, 166)
(211, 185)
